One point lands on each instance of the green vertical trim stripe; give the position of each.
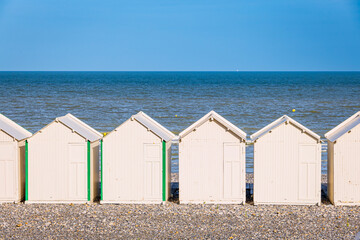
(26, 172)
(164, 171)
(101, 170)
(88, 170)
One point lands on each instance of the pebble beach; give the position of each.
(172, 220)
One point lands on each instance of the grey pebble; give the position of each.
(171, 220)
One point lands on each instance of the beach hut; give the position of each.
(344, 162)
(62, 164)
(12, 160)
(287, 164)
(212, 162)
(135, 162)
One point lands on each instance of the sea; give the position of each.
(250, 100)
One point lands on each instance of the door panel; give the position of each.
(7, 170)
(77, 172)
(307, 171)
(232, 170)
(153, 170)
(350, 165)
(197, 172)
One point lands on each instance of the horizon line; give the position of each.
(240, 71)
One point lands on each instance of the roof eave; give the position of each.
(84, 125)
(329, 135)
(16, 127)
(168, 136)
(237, 131)
(163, 134)
(268, 127)
(279, 122)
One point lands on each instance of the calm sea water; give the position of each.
(250, 100)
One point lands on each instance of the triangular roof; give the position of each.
(77, 126)
(212, 114)
(277, 123)
(152, 125)
(343, 127)
(13, 129)
(80, 127)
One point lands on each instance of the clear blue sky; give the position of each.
(248, 35)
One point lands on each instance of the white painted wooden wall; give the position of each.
(57, 166)
(344, 170)
(211, 166)
(287, 167)
(132, 165)
(9, 169)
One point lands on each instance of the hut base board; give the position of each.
(10, 201)
(289, 203)
(56, 202)
(132, 202)
(241, 202)
(346, 203)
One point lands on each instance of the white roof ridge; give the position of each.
(84, 124)
(14, 129)
(156, 122)
(220, 119)
(263, 131)
(154, 126)
(343, 127)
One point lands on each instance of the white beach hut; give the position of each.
(212, 162)
(344, 162)
(287, 164)
(12, 160)
(135, 162)
(62, 163)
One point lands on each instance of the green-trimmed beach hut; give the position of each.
(135, 162)
(62, 163)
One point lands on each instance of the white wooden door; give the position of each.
(152, 170)
(232, 170)
(198, 171)
(350, 165)
(77, 178)
(307, 172)
(8, 170)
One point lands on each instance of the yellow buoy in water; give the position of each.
(294, 110)
(175, 115)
